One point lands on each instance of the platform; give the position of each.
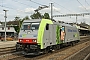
(5, 44)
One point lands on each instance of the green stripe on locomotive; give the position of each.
(58, 41)
(41, 31)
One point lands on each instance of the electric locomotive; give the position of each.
(43, 35)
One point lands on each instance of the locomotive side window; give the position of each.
(47, 27)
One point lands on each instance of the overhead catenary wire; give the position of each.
(87, 2)
(4, 6)
(62, 6)
(57, 11)
(13, 8)
(7, 7)
(2, 2)
(82, 5)
(35, 2)
(21, 3)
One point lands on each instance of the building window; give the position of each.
(2, 28)
(8, 28)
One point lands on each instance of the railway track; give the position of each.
(85, 39)
(13, 55)
(7, 50)
(87, 57)
(82, 54)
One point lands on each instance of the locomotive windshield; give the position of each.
(30, 26)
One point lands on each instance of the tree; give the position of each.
(17, 28)
(26, 18)
(46, 16)
(17, 18)
(36, 15)
(19, 22)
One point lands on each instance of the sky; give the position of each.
(22, 8)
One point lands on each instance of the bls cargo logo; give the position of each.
(34, 35)
(24, 35)
(69, 30)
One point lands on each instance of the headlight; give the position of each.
(34, 40)
(20, 40)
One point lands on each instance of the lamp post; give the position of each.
(5, 22)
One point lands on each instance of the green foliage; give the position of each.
(36, 15)
(26, 18)
(46, 16)
(17, 18)
(17, 28)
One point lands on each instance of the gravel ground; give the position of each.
(66, 53)
(80, 55)
(10, 56)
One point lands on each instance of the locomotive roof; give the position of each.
(63, 24)
(32, 20)
(39, 20)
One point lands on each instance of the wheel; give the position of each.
(55, 47)
(46, 50)
(17, 47)
(73, 43)
(58, 47)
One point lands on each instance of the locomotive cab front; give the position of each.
(28, 37)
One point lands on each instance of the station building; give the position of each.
(10, 31)
(83, 30)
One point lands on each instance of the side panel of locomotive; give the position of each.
(71, 34)
(66, 33)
